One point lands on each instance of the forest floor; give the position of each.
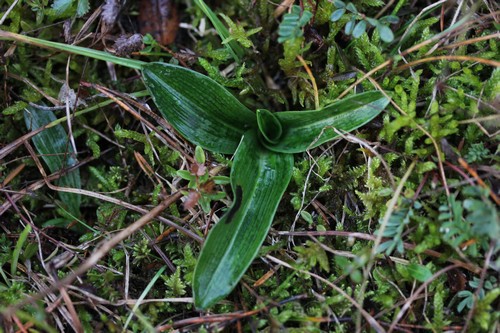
(391, 227)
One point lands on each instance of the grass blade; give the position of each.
(17, 250)
(135, 309)
(234, 48)
(84, 51)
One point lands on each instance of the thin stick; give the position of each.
(313, 81)
(415, 295)
(100, 252)
(474, 174)
(489, 62)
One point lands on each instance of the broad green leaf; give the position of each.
(419, 272)
(304, 130)
(258, 178)
(52, 145)
(203, 111)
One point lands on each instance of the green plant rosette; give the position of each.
(207, 115)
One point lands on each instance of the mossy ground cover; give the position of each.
(394, 227)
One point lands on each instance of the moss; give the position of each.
(444, 109)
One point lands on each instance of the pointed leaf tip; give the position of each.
(269, 126)
(199, 108)
(259, 178)
(303, 130)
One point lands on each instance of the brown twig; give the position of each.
(313, 81)
(474, 174)
(112, 95)
(100, 252)
(488, 62)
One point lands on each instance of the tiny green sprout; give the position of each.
(199, 155)
(263, 144)
(201, 184)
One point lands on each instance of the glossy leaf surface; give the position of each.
(304, 130)
(200, 109)
(269, 126)
(53, 147)
(259, 178)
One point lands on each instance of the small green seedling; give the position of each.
(201, 184)
(263, 144)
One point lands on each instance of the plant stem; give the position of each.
(84, 51)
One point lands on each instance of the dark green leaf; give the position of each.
(203, 111)
(303, 130)
(259, 179)
(52, 144)
(269, 126)
(372, 21)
